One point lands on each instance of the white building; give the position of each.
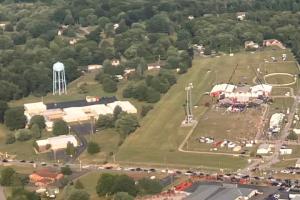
(75, 114)
(276, 121)
(35, 108)
(56, 143)
(264, 149)
(261, 89)
(125, 105)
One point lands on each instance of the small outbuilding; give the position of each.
(285, 151)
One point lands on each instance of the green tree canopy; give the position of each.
(127, 124)
(14, 118)
(39, 120)
(60, 127)
(93, 148)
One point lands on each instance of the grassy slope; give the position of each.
(160, 134)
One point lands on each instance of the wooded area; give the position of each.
(137, 32)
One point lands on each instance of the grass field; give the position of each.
(108, 141)
(160, 134)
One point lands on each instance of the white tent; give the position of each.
(220, 88)
(261, 88)
(275, 121)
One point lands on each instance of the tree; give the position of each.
(19, 193)
(79, 195)
(14, 118)
(36, 131)
(105, 184)
(7, 175)
(117, 111)
(109, 85)
(23, 134)
(38, 120)
(123, 196)
(66, 170)
(3, 108)
(105, 121)
(124, 183)
(60, 127)
(93, 148)
(292, 136)
(148, 186)
(153, 96)
(127, 124)
(158, 24)
(70, 150)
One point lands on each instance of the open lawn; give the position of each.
(108, 141)
(160, 134)
(284, 163)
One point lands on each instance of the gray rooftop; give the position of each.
(215, 192)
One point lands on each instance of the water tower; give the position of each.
(59, 79)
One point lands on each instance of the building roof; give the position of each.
(125, 105)
(242, 89)
(80, 103)
(223, 88)
(216, 192)
(35, 106)
(58, 142)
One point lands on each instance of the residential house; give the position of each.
(45, 176)
(273, 42)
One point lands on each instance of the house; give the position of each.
(285, 151)
(251, 45)
(297, 165)
(73, 41)
(190, 17)
(94, 67)
(275, 122)
(222, 192)
(156, 65)
(241, 16)
(44, 177)
(116, 26)
(273, 42)
(264, 149)
(56, 143)
(115, 62)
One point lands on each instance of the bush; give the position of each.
(292, 136)
(93, 148)
(148, 186)
(10, 138)
(145, 110)
(66, 170)
(23, 134)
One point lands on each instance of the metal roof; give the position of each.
(80, 103)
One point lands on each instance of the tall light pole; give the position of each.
(189, 104)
